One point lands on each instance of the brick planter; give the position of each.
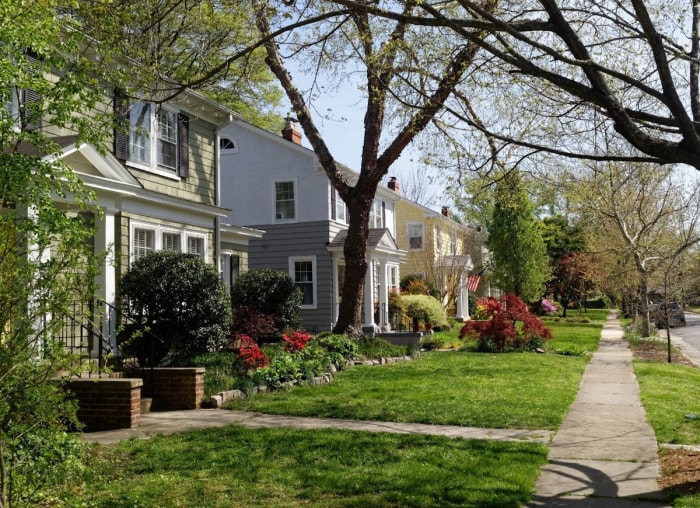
(173, 388)
(108, 403)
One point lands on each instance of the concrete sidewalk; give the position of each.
(605, 453)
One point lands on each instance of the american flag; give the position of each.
(473, 281)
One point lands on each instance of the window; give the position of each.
(143, 242)
(284, 201)
(171, 241)
(228, 145)
(453, 243)
(438, 238)
(376, 214)
(415, 235)
(195, 245)
(303, 273)
(146, 238)
(157, 138)
(340, 209)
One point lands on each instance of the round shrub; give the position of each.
(178, 305)
(270, 293)
(426, 309)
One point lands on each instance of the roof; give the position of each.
(379, 239)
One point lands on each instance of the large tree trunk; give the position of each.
(355, 252)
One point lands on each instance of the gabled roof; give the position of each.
(379, 240)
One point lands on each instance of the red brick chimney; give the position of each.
(393, 184)
(291, 131)
(446, 212)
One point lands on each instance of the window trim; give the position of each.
(275, 220)
(337, 202)
(292, 274)
(422, 236)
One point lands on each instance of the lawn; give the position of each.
(239, 467)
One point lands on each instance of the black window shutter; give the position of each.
(30, 100)
(121, 127)
(183, 145)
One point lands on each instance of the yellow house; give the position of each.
(438, 248)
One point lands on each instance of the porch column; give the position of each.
(106, 280)
(369, 296)
(462, 303)
(384, 297)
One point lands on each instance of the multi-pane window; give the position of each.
(340, 209)
(146, 238)
(171, 241)
(302, 271)
(195, 245)
(284, 200)
(376, 214)
(157, 138)
(167, 139)
(414, 232)
(143, 242)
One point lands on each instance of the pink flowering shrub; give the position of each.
(507, 324)
(296, 342)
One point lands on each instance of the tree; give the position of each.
(188, 312)
(385, 53)
(45, 260)
(519, 258)
(600, 69)
(570, 279)
(200, 44)
(654, 214)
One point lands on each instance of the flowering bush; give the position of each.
(508, 325)
(251, 356)
(296, 342)
(547, 306)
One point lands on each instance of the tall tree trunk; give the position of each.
(355, 252)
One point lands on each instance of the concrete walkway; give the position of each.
(605, 453)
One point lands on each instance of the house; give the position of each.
(438, 248)
(273, 183)
(158, 189)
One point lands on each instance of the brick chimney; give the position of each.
(446, 211)
(393, 184)
(291, 131)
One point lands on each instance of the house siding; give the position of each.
(279, 243)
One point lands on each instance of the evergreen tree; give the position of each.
(519, 256)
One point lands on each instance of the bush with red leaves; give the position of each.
(251, 356)
(296, 342)
(508, 325)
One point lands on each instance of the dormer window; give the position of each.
(157, 140)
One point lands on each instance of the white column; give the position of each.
(462, 303)
(107, 279)
(369, 295)
(384, 297)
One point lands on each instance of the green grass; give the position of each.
(670, 392)
(574, 338)
(238, 467)
(516, 390)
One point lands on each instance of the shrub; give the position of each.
(270, 293)
(180, 307)
(247, 320)
(296, 342)
(339, 347)
(508, 325)
(251, 356)
(425, 309)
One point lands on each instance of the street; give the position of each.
(687, 338)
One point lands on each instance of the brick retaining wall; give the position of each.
(173, 388)
(108, 403)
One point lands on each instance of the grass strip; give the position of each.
(238, 467)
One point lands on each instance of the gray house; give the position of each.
(272, 183)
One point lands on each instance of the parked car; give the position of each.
(676, 316)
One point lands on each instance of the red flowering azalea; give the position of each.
(508, 323)
(296, 342)
(251, 356)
